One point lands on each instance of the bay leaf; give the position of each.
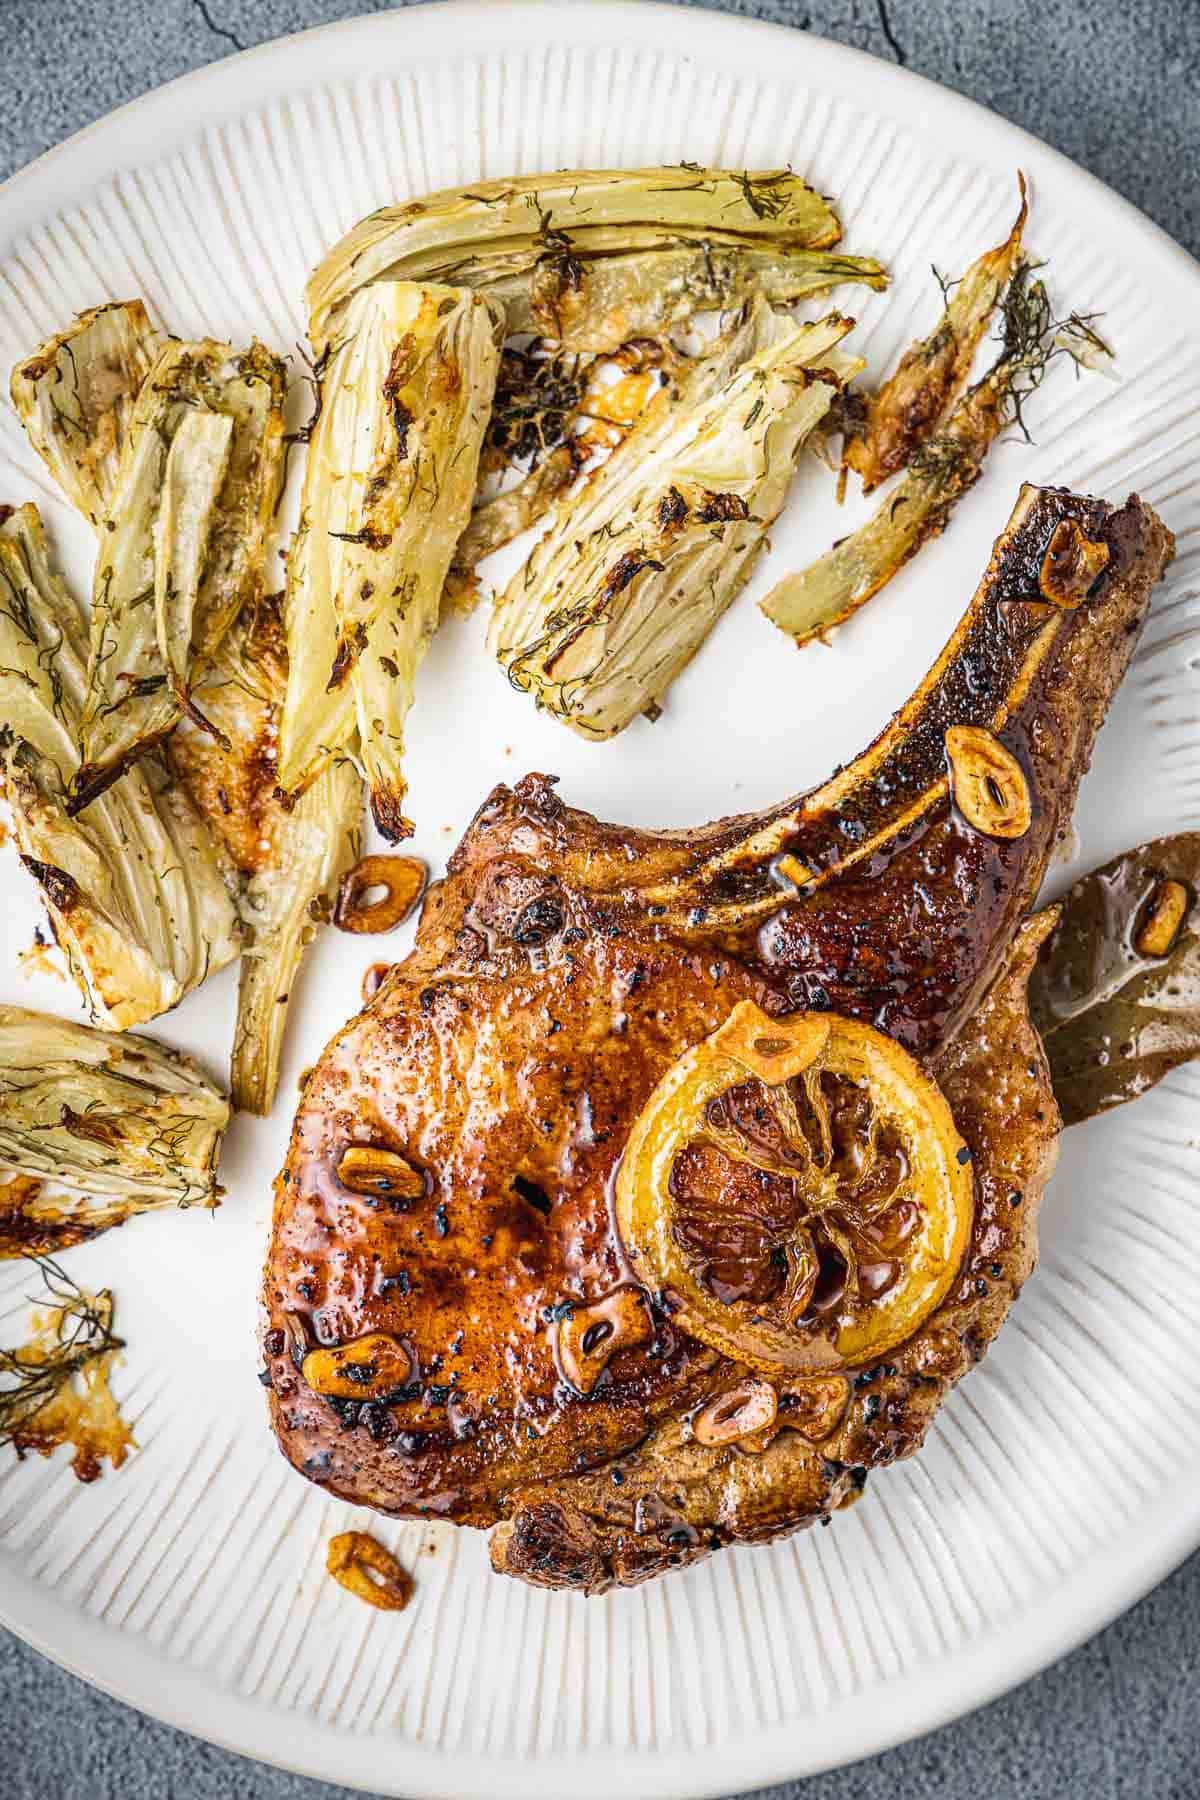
(1114, 1019)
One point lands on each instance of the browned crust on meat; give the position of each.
(560, 970)
(672, 1501)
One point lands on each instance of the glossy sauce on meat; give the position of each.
(560, 970)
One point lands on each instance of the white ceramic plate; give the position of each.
(1060, 1481)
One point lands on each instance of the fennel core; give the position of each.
(595, 257)
(115, 1118)
(135, 890)
(388, 486)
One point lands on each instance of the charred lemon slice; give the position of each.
(798, 1188)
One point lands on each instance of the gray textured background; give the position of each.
(1115, 84)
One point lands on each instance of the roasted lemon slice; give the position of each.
(798, 1190)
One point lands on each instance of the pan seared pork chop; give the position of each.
(670, 1183)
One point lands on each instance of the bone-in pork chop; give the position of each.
(669, 1184)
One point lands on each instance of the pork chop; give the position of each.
(457, 1322)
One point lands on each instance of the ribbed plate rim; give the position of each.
(902, 1708)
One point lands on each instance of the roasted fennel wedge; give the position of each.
(136, 890)
(107, 1114)
(639, 565)
(388, 486)
(898, 418)
(183, 544)
(75, 395)
(538, 244)
(291, 859)
(810, 603)
(223, 752)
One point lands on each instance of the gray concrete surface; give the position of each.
(1113, 83)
